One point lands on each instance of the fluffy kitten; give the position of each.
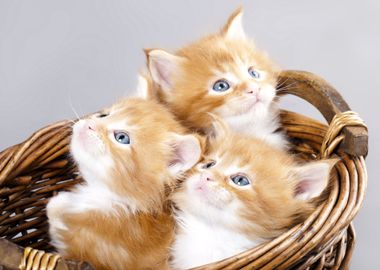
(117, 218)
(244, 193)
(223, 74)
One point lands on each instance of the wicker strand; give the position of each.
(34, 259)
(333, 136)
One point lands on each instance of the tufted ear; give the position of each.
(143, 88)
(163, 67)
(233, 29)
(313, 178)
(186, 153)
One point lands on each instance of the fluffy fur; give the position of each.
(118, 218)
(218, 218)
(185, 82)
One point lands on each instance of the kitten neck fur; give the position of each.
(199, 242)
(264, 125)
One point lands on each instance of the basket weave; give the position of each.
(35, 170)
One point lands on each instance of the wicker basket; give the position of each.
(35, 170)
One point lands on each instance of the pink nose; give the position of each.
(207, 177)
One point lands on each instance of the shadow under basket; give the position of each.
(40, 167)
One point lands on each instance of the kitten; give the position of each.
(245, 192)
(128, 155)
(223, 74)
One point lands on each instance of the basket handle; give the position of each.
(328, 101)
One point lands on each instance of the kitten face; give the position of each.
(135, 140)
(117, 138)
(223, 74)
(236, 80)
(237, 185)
(250, 187)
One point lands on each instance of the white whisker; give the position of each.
(73, 109)
(282, 83)
(286, 87)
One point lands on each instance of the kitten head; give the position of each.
(248, 186)
(134, 148)
(222, 73)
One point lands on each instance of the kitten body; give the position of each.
(119, 217)
(224, 74)
(244, 193)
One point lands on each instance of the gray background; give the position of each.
(55, 55)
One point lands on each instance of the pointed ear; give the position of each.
(219, 130)
(313, 178)
(233, 29)
(186, 153)
(163, 67)
(144, 87)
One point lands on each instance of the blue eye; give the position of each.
(254, 73)
(221, 86)
(240, 180)
(122, 137)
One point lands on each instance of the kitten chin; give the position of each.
(243, 193)
(224, 74)
(119, 217)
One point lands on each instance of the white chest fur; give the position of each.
(88, 197)
(262, 125)
(198, 243)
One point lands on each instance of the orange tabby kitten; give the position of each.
(244, 193)
(223, 74)
(117, 218)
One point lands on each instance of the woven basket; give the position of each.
(35, 170)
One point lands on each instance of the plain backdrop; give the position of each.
(56, 56)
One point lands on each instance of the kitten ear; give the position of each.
(144, 88)
(219, 129)
(163, 66)
(313, 178)
(186, 153)
(233, 29)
